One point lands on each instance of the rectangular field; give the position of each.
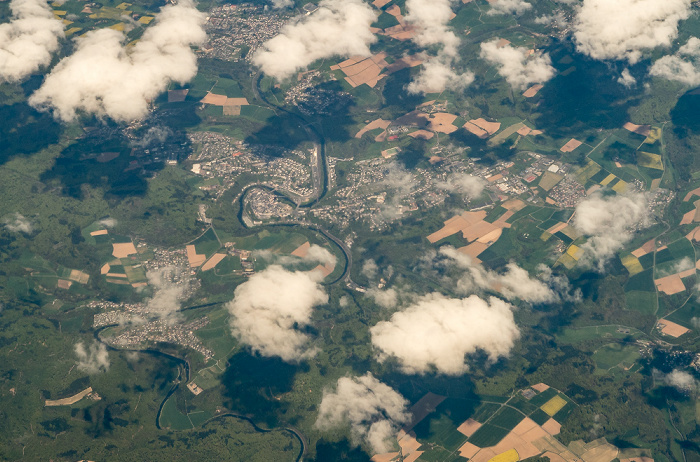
(488, 435)
(554, 405)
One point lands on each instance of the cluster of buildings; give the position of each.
(265, 205)
(162, 331)
(313, 100)
(222, 157)
(568, 192)
(231, 28)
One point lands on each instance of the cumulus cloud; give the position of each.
(463, 183)
(108, 222)
(282, 3)
(399, 183)
(623, 29)
(560, 284)
(610, 223)
(514, 64)
(516, 7)
(388, 298)
(314, 254)
(436, 332)
(514, 283)
(557, 19)
(431, 18)
(105, 78)
(370, 269)
(28, 40)
(338, 27)
(169, 286)
(268, 310)
(373, 409)
(92, 359)
(18, 223)
(154, 135)
(682, 67)
(626, 79)
(681, 265)
(681, 380)
(437, 75)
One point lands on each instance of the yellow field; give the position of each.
(571, 232)
(574, 252)
(545, 236)
(554, 405)
(567, 260)
(585, 173)
(508, 456)
(654, 135)
(649, 160)
(550, 180)
(632, 264)
(607, 180)
(620, 187)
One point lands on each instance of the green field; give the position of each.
(582, 334)
(507, 418)
(172, 418)
(645, 302)
(616, 355)
(488, 435)
(208, 243)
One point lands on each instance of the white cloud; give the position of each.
(314, 254)
(514, 64)
(514, 283)
(154, 135)
(108, 222)
(463, 183)
(681, 380)
(437, 332)
(437, 75)
(105, 78)
(338, 27)
(18, 223)
(373, 409)
(559, 284)
(682, 67)
(626, 79)
(516, 7)
(430, 17)
(388, 298)
(169, 286)
(681, 265)
(610, 223)
(370, 269)
(320, 254)
(623, 29)
(92, 359)
(557, 19)
(28, 40)
(399, 183)
(282, 3)
(269, 308)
